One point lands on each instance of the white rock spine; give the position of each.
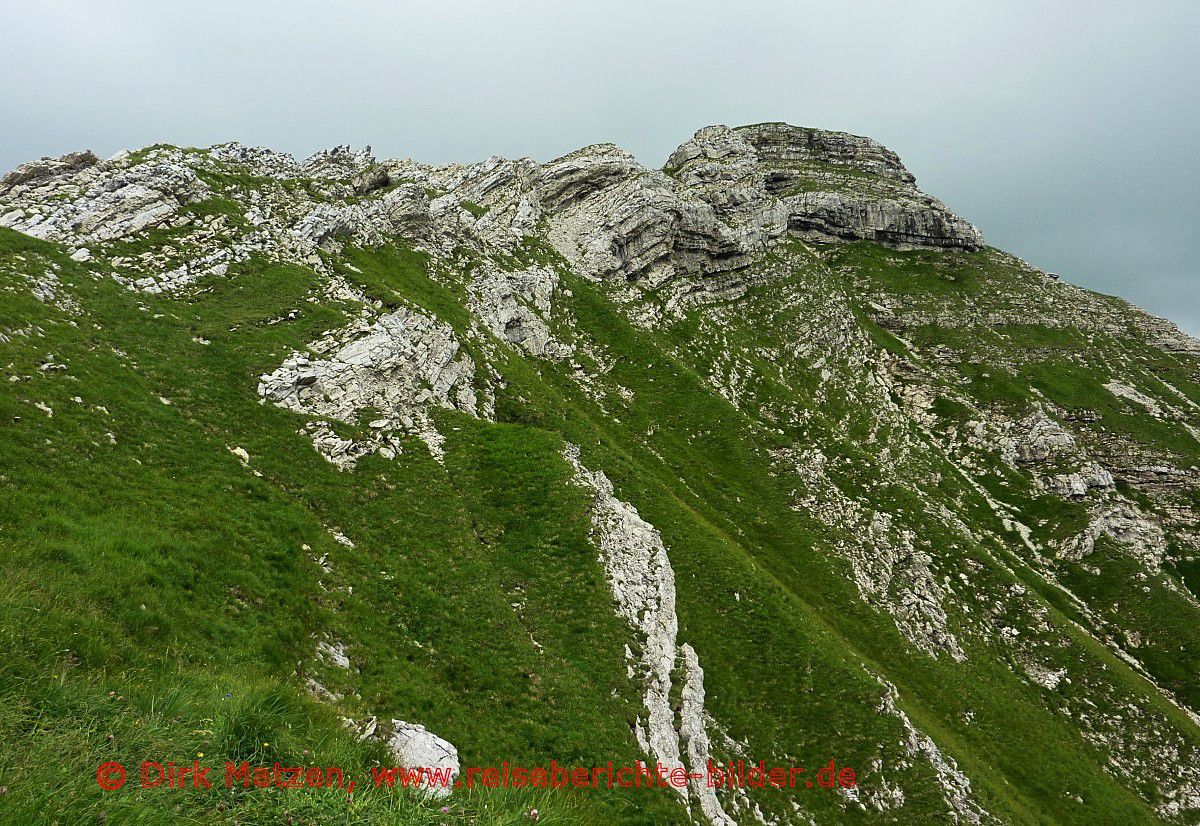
(643, 585)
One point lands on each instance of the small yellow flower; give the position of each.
(199, 754)
(266, 744)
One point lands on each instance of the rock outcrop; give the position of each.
(725, 196)
(401, 366)
(956, 787)
(643, 589)
(839, 186)
(104, 207)
(29, 175)
(515, 306)
(649, 229)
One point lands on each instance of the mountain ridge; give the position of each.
(768, 445)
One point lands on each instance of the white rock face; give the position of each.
(643, 586)
(728, 197)
(580, 174)
(693, 734)
(495, 203)
(919, 222)
(101, 207)
(1124, 391)
(900, 564)
(402, 365)
(723, 169)
(333, 654)
(641, 225)
(515, 306)
(36, 174)
(340, 162)
(48, 289)
(241, 454)
(837, 186)
(1043, 676)
(416, 747)
(1040, 438)
(1126, 524)
(405, 211)
(891, 569)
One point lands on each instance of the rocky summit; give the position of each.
(762, 458)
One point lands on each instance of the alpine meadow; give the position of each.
(761, 459)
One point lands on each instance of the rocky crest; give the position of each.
(724, 197)
(839, 186)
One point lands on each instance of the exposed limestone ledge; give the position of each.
(643, 585)
(401, 365)
(840, 186)
(726, 196)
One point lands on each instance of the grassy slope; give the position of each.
(161, 570)
(168, 519)
(1014, 737)
(1010, 366)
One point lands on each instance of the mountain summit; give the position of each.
(761, 456)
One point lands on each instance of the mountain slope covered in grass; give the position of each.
(765, 455)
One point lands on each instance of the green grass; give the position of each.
(474, 208)
(394, 273)
(160, 569)
(194, 614)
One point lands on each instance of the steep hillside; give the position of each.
(764, 455)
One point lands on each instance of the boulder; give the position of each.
(415, 747)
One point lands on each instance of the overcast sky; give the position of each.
(1066, 131)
